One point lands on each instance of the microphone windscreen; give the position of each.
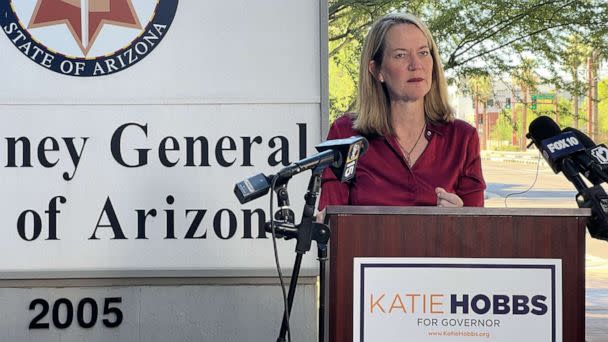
(542, 128)
(582, 137)
(349, 150)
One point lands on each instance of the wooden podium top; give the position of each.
(466, 211)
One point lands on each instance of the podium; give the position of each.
(363, 231)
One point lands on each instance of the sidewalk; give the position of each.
(528, 157)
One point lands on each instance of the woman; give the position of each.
(418, 154)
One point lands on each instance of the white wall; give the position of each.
(225, 70)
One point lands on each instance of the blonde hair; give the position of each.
(373, 115)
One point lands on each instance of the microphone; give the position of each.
(566, 151)
(593, 161)
(341, 155)
(352, 148)
(252, 188)
(596, 199)
(600, 155)
(554, 144)
(597, 153)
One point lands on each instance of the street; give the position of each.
(504, 178)
(552, 191)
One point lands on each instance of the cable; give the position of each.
(531, 186)
(276, 259)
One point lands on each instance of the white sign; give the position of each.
(502, 300)
(115, 166)
(125, 126)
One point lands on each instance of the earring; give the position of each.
(381, 79)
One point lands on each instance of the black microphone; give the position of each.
(350, 150)
(600, 155)
(341, 155)
(593, 161)
(321, 160)
(556, 148)
(584, 138)
(252, 187)
(562, 151)
(597, 153)
(596, 199)
(554, 144)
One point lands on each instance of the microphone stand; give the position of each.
(284, 214)
(304, 233)
(594, 198)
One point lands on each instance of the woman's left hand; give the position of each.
(447, 199)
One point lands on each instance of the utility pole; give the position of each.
(596, 57)
(590, 114)
(486, 125)
(476, 104)
(513, 119)
(524, 115)
(556, 104)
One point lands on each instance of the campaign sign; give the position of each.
(457, 299)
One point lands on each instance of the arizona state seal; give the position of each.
(86, 37)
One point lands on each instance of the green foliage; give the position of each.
(503, 130)
(474, 36)
(566, 114)
(519, 125)
(510, 148)
(525, 77)
(343, 78)
(573, 57)
(603, 111)
(480, 87)
(343, 95)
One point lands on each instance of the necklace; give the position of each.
(406, 153)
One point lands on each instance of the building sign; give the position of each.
(118, 209)
(135, 171)
(88, 37)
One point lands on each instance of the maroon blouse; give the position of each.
(451, 160)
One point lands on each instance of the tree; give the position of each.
(480, 35)
(574, 56)
(525, 77)
(502, 131)
(603, 111)
(592, 98)
(343, 77)
(480, 87)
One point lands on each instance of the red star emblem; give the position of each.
(84, 18)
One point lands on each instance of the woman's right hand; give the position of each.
(321, 216)
(447, 199)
